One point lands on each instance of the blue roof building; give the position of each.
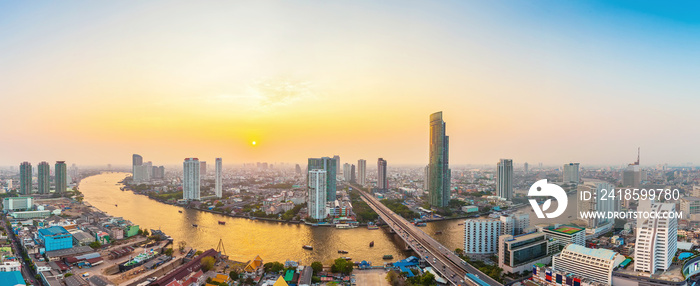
(11, 278)
(55, 238)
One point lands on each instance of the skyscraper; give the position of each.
(527, 168)
(571, 173)
(346, 172)
(337, 162)
(329, 165)
(504, 179)
(352, 173)
(203, 168)
(317, 193)
(61, 176)
(657, 238)
(632, 176)
(297, 169)
(219, 168)
(43, 171)
(25, 178)
(381, 175)
(361, 172)
(136, 160)
(481, 236)
(439, 163)
(190, 179)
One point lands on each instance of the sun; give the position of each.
(253, 143)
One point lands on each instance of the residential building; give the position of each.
(352, 173)
(61, 177)
(329, 165)
(690, 207)
(594, 264)
(440, 175)
(317, 191)
(514, 224)
(25, 178)
(191, 179)
(346, 172)
(657, 238)
(219, 169)
(136, 160)
(481, 236)
(571, 173)
(361, 172)
(43, 180)
(336, 159)
(382, 183)
(504, 179)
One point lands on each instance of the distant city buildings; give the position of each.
(439, 178)
(600, 201)
(191, 179)
(346, 172)
(657, 238)
(632, 176)
(336, 158)
(504, 179)
(203, 168)
(361, 172)
(382, 183)
(61, 177)
(526, 167)
(297, 169)
(25, 178)
(329, 165)
(218, 170)
(141, 172)
(571, 173)
(43, 178)
(317, 191)
(481, 236)
(352, 174)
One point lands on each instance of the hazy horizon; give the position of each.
(554, 82)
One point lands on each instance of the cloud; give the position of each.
(269, 93)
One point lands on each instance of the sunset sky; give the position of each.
(91, 82)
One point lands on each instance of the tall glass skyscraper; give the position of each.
(43, 171)
(504, 179)
(329, 165)
(61, 177)
(190, 179)
(439, 165)
(25, 178)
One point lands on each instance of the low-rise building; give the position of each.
(55, 238)
(518, 253)
(594, 264)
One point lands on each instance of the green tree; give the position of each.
(95, 244)
(317, 267)
(233, 274)
(273, 266)
(207, 263)
(341, 265)
(168, 252)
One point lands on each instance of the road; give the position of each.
(26, 271)
(443, 260)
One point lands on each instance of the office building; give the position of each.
(526, 167)
(136, 160)
(632, 176)
(352, 174)
(481, 236)
(336, 158)
(594, 264)
(329, 165)
(55, 238)
(191, 179)
(17, 204)
(571, 173)
(566, 234)
(317, 193)
(219, 168)
(43, 171)
(599, 201)
(382, 183)
(25, 178)
(657, 238)
(439, 179)
(514, 224)
(361, 172)
(346, 172)
(504, 179)
(61, 177)
(518, 253)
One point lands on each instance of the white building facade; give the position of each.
(317, 194)
(190, 179)
(481, 236)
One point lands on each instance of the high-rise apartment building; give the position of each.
(514, 224)
(382, 183)
(657, 238)
(594, 264)
(527, 168)
(361, 172)
(346, 172)
(25, 178)
(203, 168)
(571, 173)
(329, 165)
(439, 179)
(191, 179)
(61, 176)
(504, 179)
(317, 193)
(217, 187)
(43, 180)
(336, 158)
(481, 236)
(352, 174)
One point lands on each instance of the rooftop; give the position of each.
(567, 229)
(54, 230)
(601, 253)
(11, 278)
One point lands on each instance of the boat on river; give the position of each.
(222, 222)
(308, 247)
(342, 251)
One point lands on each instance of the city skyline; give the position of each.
(286, 88)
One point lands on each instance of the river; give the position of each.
(274, 241)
